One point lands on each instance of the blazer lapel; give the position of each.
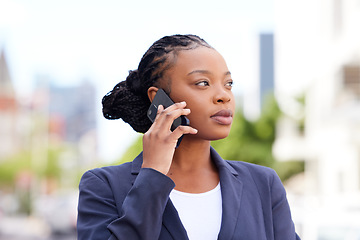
(172, 222)
(231, 192)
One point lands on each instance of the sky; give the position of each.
(73, 40)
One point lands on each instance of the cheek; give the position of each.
(198, 113)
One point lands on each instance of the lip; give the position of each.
(223, 117)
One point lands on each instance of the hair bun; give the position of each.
(122, 103)
(109, 108)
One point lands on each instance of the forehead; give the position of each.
(201, 58)
(198, 60)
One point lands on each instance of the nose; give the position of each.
(222, 95)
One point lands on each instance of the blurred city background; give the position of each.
(296, 68)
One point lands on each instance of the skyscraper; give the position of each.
(266, 65)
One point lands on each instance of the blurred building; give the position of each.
(8, 111)
(72, 110)
(52, 136)
(266, 65)
(259, 72)
(318, 42)
(71, 117)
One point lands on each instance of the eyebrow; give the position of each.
(206, 72)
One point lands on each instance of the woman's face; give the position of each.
(202, 79)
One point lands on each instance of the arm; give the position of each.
(141, 211)
(140, 214)
(283, 225)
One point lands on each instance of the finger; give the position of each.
(167, 118)
(173, 107)
(181, 130)
(176, 106)
(159, 110)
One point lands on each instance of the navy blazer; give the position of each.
(130, 202)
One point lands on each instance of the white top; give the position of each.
(200, 213)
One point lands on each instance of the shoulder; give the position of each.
(111, 182)
(117, 173)
(262, 179)
(252, 173)
(109, 172)
(253, 169)
(108, 178)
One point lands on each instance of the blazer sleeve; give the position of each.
(140, 212)
(283, 225)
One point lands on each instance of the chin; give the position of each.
(213, 133)
(217, 136)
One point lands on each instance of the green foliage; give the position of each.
(11, 166)
(251, 141)
(301, 99)
(52, 168)
(132, 151)
(27, 161)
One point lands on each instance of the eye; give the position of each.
(203, 83)
(230, 83)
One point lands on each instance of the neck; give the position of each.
(192, 154)
(192, 169)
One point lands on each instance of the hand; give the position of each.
(159, 142)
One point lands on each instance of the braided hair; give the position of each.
(129, 100)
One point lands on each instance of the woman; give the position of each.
(189, 191)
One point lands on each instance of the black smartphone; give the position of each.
(161, 98)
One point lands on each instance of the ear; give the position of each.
(152, 92)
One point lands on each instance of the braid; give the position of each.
(121, 102)
(128, 100)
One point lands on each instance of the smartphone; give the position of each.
(161, 98)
